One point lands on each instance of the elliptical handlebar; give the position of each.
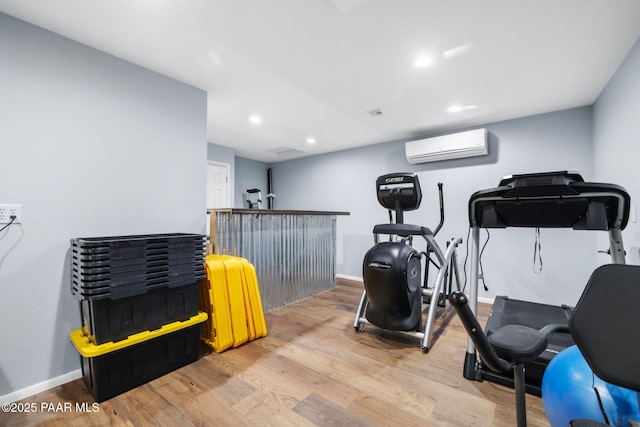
(400, 192)
(441, 200)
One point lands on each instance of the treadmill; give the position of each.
(539, 200)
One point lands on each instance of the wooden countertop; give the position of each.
(277, 212)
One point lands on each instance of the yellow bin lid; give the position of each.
(87, 349)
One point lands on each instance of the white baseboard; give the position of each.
(40, 387)
(354, 278)
(486, 300)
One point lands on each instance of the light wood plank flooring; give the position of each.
(312, 369)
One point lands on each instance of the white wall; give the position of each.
(345, 181)
(90, 145)
(617, 139)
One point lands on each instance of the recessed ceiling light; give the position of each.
(422, 62)
(311, 140)
(459, 108)
(255, 119)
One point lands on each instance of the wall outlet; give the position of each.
(7, 211)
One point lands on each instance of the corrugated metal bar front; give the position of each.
(294, 254)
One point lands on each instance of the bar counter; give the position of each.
(293, 251)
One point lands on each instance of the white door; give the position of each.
(218, 185)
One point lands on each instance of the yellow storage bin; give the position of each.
(232, 298)
(86, 348)
(217, 332)
(115, 367)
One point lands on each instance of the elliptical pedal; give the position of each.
(442, 299)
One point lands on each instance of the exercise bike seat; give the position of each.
(506, 347)
(517, 343)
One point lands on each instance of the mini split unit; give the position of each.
(455, 146)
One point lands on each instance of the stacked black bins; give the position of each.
(139, 299)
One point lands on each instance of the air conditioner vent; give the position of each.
(454, 146)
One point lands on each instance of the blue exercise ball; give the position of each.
(568, 393)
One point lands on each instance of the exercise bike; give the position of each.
(395, 287)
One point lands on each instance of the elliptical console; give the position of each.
(399, 192)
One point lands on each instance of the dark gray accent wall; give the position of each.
(345, 181)
(91, 146)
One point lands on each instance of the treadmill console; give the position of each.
(541, 184)
(550, 200)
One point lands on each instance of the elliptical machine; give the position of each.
(395, 286)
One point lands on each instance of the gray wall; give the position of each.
(617, 139)
(91, 146)
(250, 174)
(345, 181)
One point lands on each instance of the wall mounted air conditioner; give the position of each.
(455, 146)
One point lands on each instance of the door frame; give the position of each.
(228, 183)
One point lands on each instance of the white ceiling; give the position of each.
(313, 68)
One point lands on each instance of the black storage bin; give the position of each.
(126, 266)
(108, 289)
(106, 320)
(114, 368)
(123, 243)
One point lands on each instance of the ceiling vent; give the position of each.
(454, 146)
(286, 151)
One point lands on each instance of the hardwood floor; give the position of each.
(312, 369)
